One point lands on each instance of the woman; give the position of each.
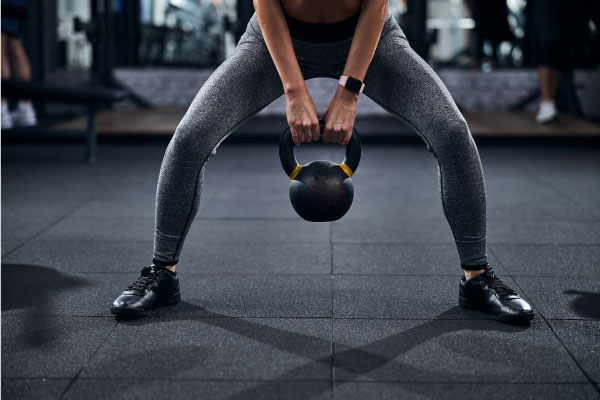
(285, 43)
(559, 29)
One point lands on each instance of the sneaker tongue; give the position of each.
(489, 271)
(477, 278)
(147, 271)
(156, 269)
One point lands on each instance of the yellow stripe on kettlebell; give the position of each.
(346, 169)
(295, 172)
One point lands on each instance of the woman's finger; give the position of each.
(307, 128)
(294, 135)
(300, 133)
(315, 128)
(327, 133)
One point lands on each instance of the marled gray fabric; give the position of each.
(397, 79)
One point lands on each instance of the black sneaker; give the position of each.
(156, 287)
(487, 293)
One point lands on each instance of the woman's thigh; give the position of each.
(245, 83)
(401, 82)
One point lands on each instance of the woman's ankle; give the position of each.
(470, 274)
(170, 265)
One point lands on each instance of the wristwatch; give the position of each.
(351, 83)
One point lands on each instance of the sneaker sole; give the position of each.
(547, 120)
(25, 124)
(140, 312)
(500, 317)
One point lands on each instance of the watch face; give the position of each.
(353, 84)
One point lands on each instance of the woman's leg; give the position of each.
(403, 84)
(5, 59)
(19, 59)
(238, 89)
(21, 70)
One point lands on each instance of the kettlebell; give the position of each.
(320, 191)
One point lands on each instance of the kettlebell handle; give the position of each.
(292, 168)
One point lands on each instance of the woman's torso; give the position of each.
(319, 11)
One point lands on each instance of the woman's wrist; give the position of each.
(295, 90)
(346, 95)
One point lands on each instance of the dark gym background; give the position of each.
(273, 306)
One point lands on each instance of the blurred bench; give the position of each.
(92, 98)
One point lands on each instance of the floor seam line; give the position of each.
(557, 191)
(85, 363)
(502, 382)
(51, 225)
(332, 278)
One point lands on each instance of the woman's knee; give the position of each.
(190, 143)
(453, 138)
(5, 69)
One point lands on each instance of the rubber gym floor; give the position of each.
(275, 307)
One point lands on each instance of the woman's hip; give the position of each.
(313, 52)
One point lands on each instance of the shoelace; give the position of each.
(147, 277)
(495, 283)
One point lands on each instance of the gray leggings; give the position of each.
(246, 82)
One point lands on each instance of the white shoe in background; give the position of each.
(7, 121)
(24, 115)
(547, 112)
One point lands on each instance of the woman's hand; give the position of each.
(302, 117)
(339, 117)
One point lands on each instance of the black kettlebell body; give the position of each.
(320, 191)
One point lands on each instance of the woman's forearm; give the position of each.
(277, 38)
(366, 36)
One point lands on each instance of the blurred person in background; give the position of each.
(558, 27)
(491, 25)
(15, 61)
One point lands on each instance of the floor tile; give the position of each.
(398, 258)
(32, 290)
(563, 298)
(82, 256)
(259, 207)
(526, 199)
(413, 230)
(113, 229)
(285, 258)
(138, 206)
(216, 348)
(549, 259)
(19, 228)
(131, 229)
(253, 295)
(465, 391)
(582, 338)
(9, 245)
(437, 350)
(403, 297)
(250, 295)
(544, 231)
(90, 388)
(50, 347)
(39, 388)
